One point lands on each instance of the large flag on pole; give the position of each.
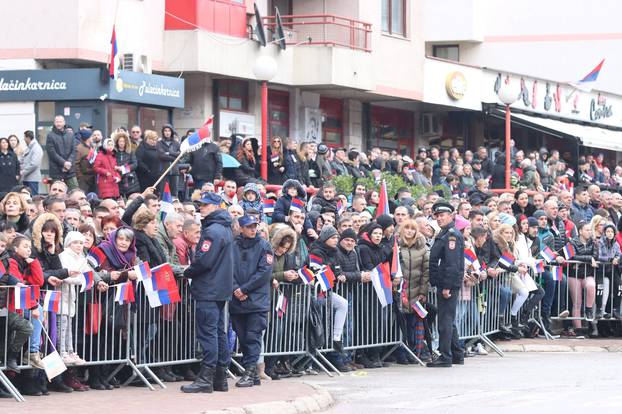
(113, 52)
(166, 206)
(198, 138)
(381, 280)
(383, 202)
(586, 83)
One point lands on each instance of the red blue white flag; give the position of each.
(113, 52)
(87, 281)
(548, 254)
(306, 275)
(586, 83)
(96, 257)
(268, 205)
(166, 207)
(51, 303)
(142, 271)
(569, 251)
(124, 293)
(557, 273)
(381, 280)
(383, 201)
(538, 266)
(470, 258)
(420, 310)
(195, 140)
(326, 278)
(506, 259)
(297, 205)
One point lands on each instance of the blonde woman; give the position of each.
(597, 225)
(494, 221)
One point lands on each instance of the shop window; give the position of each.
(121, 116)
(233, 95)
(394, 17)
(332, 121)
(154, 118)
(447, 52)
(392, 129)
(278, 110)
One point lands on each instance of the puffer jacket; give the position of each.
(129, 181)
(9, 171)
(281, 207)
(608, 250)
(107, 177)
(50, 262)
(286, 261)
(252, 275)
(414, 260)
(61, 147)
(350, 264)
(253, 205)
(371, 255)
(584, 253)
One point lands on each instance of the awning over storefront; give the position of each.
(589, 136)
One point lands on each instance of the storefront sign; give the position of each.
(148, 89)
(51, 85)
(455, 85)
(557, 99)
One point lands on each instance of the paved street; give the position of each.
(519, 383)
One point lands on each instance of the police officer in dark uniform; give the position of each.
(211, 272)
(446, 274)
(251, 295)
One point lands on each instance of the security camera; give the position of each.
(103, 97)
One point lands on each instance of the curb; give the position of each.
(319, 401)
(558, 348)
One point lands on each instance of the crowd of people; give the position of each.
(237, 239)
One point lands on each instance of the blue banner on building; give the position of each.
(147, 89)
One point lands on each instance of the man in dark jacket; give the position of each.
(206, 164)
(168, 150)
(61, 149)
(211, 272)
(251, 290)
(348, 258)
(446, 274)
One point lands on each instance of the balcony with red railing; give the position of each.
(323, 30)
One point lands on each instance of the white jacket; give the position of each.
(71, 261)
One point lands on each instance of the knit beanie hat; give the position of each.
(327, 232)
(348, 234)
(384, 221)
(71, 237)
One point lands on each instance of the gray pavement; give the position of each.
(525, 383)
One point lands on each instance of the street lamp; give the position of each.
(265, 68)
(508, 94)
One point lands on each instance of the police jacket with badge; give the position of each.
(252, 274)
(214, 260)
(447, 259)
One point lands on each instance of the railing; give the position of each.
(323, 29)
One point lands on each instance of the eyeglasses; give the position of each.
(135, 132)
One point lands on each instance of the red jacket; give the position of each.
(107, 185)
(31, 274)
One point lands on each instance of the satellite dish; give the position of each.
(259, 30)
(280, 34)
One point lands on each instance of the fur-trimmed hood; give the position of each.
(278, 233)
(37, 236)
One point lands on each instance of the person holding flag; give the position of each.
(211, 272)
(446, 274)
(251, 290)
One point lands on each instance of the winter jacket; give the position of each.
(30, 274)
(107, 177)
(252, 275)
(168, 150)
(608, 250)
(212, 269)
(286, 261)
(281, 207)
(349, 263)
(206, 163)
(371, 255)
(327, 255)
(71, 261)
(50, 262)
(148, 165)
(9, 171)
(580, 212)
(529, 178)
(292, 166)
(129, 180)
(447, 259)
(84, 167)
(527, 211)
(61, 148)
(31, 162)
(185, 251)
(414, 260)
(498, 173)
(253, 205)
(170, 253)
(324, 203)
(584, 253)
(148, 249)
(339, 167)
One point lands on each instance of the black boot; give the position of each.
(516, 324)
(220, 379)
(11, 362)
(204, 382)
(256, 377)
(248, 379)
(616, 314)
(546, 321)
(502, 327)
(189, 374)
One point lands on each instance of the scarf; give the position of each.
(116, 258)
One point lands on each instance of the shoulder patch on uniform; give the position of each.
(269, 258)
(206, 245)
(452, 244)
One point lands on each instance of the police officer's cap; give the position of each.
(247, 221)
(442, 207)
(210, 198)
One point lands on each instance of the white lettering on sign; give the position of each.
(14, 85)
(159, 90)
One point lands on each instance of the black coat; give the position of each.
(61, 147)
(168, 150)
(328, 256)
(148, 167)
(349, 263)
(447, 259)
(276, 169)
(252, 275)
(129, 181)
(148, 249)
(9, 171)
(292, 166)
(206, 163)
(371, 255)
(214, 259)
(498, 173)
(247, 172)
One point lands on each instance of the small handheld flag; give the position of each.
(315, 261)
(326, 278)
(297, 205)
(383, 201)
(470, 259)
(539, 266)
(420, 310)
(161, 287)
(142, 271)
(91, 156)
(557, 273)
(341, 207)
(396, 266)
(569, 251)
(96, 257)
(22, 298)
(166, 206)
(125, 169)
(281, 305)
(195, 140)
(51, 303)
(87, 281)
(124, 293)
(506, 259)
(381, 280)
(268, 205)
(548, 254)
(306, 275)
(274, 158)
